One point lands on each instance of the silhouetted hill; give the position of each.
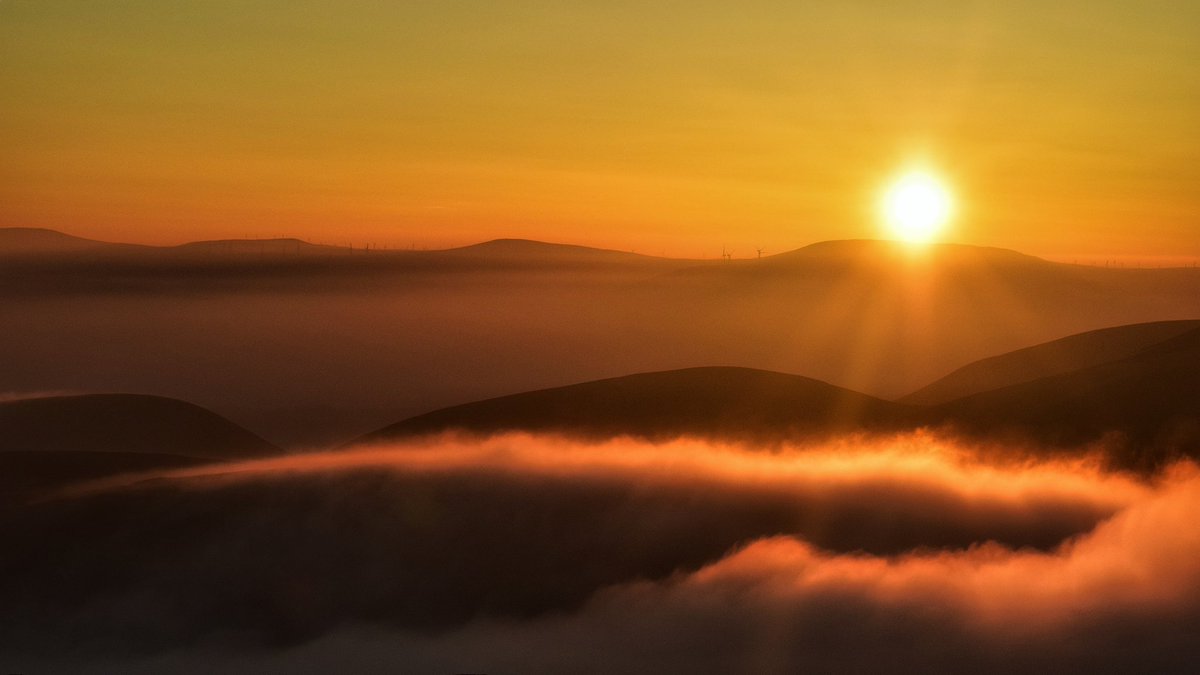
(722, 402)
(36, 240)
(48, 262)
(276, 247)
(123, 423)
(529, 248)
(530, 255)
(1052, 358)
(871, 259)
(474, 323)
(1147, 406)
(884, 252)
(30, 240)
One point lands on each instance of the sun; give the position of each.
(917, 206)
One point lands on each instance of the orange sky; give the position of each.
(1065, 130)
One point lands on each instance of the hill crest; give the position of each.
(1070, 353)
(124, 423)
(717, 401)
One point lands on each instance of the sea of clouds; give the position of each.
(523, 553)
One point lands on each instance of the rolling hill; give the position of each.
(48, 443)
(878, 252)
(540, 250)
(28, 241)
(1052, 358)
(124, 423)
(1146, 406)
(722, 402)
(282, 246)
(513, 315)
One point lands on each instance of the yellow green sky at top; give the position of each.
(1065, 128)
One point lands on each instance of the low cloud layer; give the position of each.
(521, 554)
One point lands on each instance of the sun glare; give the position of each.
(916, 207)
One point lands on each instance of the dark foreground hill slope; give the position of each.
(1148, 405)
(1052, 358)
(124, 423)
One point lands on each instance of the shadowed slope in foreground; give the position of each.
(1052, 358)
(1150, 400)
(124, 423)
(48, 443)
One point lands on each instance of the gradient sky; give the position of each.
(1066, 128)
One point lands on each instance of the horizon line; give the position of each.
(1119, 261)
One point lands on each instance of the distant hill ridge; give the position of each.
(874, 249)
(41, 240)
(286, 244)
(31, 240)
(531, 247)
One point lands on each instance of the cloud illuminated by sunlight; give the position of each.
(922, 459)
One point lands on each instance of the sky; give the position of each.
(1064, 129)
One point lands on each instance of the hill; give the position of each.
(508, 316)
(532, 249)
(526, 255)
(40, 241)
(1145, 406)
(879, 252)
(124, 423)
(1052, 358)
(284, 246)
(721, 402)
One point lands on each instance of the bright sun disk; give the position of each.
(916, 207)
